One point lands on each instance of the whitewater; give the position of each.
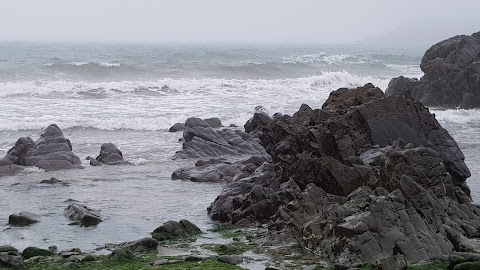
(131, 94)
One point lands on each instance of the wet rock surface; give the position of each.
(52, 151)
(82, 215)
(201, 141)
(368, 178)
(219, 170)
(109, 155)
(451, 74)
(23, 218)
(172, 230)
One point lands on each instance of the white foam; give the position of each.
(124, 104)
(324, 58)
(106, 64)
(458, 116)
(78, 64)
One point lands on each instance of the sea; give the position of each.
(130, 94)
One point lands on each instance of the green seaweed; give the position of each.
(140, 263)
(233, 248)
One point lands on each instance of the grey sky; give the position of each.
(226, 21)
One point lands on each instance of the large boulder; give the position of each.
(451, 74)
(201, 140)
(368, 178)
(109, 155)
(173, 230)
(23, 218)
(82, 215)
(50, 152)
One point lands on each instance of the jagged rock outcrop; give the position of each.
(109, 155)
(219, 170)
(451, 74)
(368, 178)
(82, 215)
(201, 140)
(52, 151)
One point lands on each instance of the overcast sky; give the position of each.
(228, 21)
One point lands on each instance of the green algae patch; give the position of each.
(226, 230)
(140, 263)
(234, 248)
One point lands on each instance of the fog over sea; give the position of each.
(131, 94)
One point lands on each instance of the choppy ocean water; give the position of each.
(131, 94)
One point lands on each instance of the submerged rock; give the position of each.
(50, 152)
(82, 215)
(451, 74)
(53, 181)
(201, 140)
(24, 218)
(109, 155)
(368, 178)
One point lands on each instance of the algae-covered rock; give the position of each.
(172, 230)
(30, 252)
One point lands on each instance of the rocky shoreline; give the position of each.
(369, 181)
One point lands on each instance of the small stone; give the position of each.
(193, 259)
(160, 262)
(230, 259)
(121, 254)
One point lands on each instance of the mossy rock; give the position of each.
(173, 230)
(233, 248)
(30, 252)
(467, 266)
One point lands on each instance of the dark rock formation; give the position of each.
(172, 230)
(214, 122)
(201, 140)
(50, 152)
(109, 155)
(177, 127)
(142, 245)
(82, 215)
(255, 124)
(219, 170)
(23, 218)
(368, 178)
(452, 74)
